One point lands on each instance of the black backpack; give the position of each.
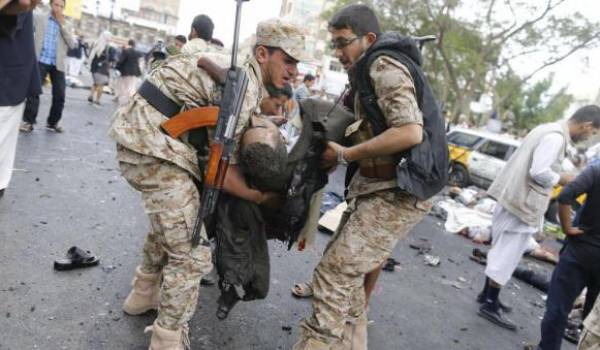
(423, 169)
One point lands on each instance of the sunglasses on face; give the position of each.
(342, 43)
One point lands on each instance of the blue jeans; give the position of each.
(571, 275)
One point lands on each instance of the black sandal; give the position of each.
(76, 258)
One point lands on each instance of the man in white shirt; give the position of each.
(523, 190)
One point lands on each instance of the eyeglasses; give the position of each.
(341, 43)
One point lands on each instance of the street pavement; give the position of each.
(67, 190)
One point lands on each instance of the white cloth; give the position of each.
(511, 238)
(460, 216)
(73, 66)
(544, 156)
(126, 87)
(10, 118)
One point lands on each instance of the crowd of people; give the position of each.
(388, 130)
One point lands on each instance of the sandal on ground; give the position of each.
(76, 258)
(302, 290)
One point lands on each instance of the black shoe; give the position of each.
(90, 100)
(504, 307)
(2, 193)
(56, 128)
(486, 311)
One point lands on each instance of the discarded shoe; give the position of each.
(503, 307)
(422, 246)
(494, 316)
(76, 258)
(390, 265)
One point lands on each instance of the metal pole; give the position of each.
(236, 33)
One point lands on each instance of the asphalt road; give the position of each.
(67, 190)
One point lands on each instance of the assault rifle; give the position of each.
(230, 106)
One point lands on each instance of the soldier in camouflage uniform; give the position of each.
(165, 170)
(378, 213)
(590, 337)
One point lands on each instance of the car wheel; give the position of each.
(459, 175)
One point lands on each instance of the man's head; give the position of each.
(202, 27)
(309, 80)
(263, 156)
(275, 102)
(353, 30)
(57, 6)
(180, 40)
(279, 47)
(584, 123)
(131, 43)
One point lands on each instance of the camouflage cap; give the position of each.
(281, 34)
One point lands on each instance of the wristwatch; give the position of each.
(340, 157)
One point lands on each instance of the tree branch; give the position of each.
(561, 57)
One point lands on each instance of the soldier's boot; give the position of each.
(355, 335)
(166, 339)
(145, 294)
(310, 344)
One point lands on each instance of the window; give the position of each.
(463, 140)
(494, 149)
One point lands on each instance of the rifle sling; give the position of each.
(158, 99)
(198, 138)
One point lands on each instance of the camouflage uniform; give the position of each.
(590, 338)
(378, 215)
(165, 169)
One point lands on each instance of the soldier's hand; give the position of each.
(329, 158)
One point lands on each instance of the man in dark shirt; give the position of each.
(18, 78)
(579, 264)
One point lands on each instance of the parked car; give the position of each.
(476, 158)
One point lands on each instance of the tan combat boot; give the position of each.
(166, 339)
(355, 335)
(145, 293)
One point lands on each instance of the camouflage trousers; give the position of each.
(369, 231)
(588, 341)
(171, 201)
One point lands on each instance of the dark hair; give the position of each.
(589, 113)
(361, 19)
(181, 39)
(131, 42)
(217, 42)
(308, 77)
(263, 163)
(203, 26)
(64, 2)
(276, 92)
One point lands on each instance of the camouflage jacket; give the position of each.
(396, 96)
(136, 125)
